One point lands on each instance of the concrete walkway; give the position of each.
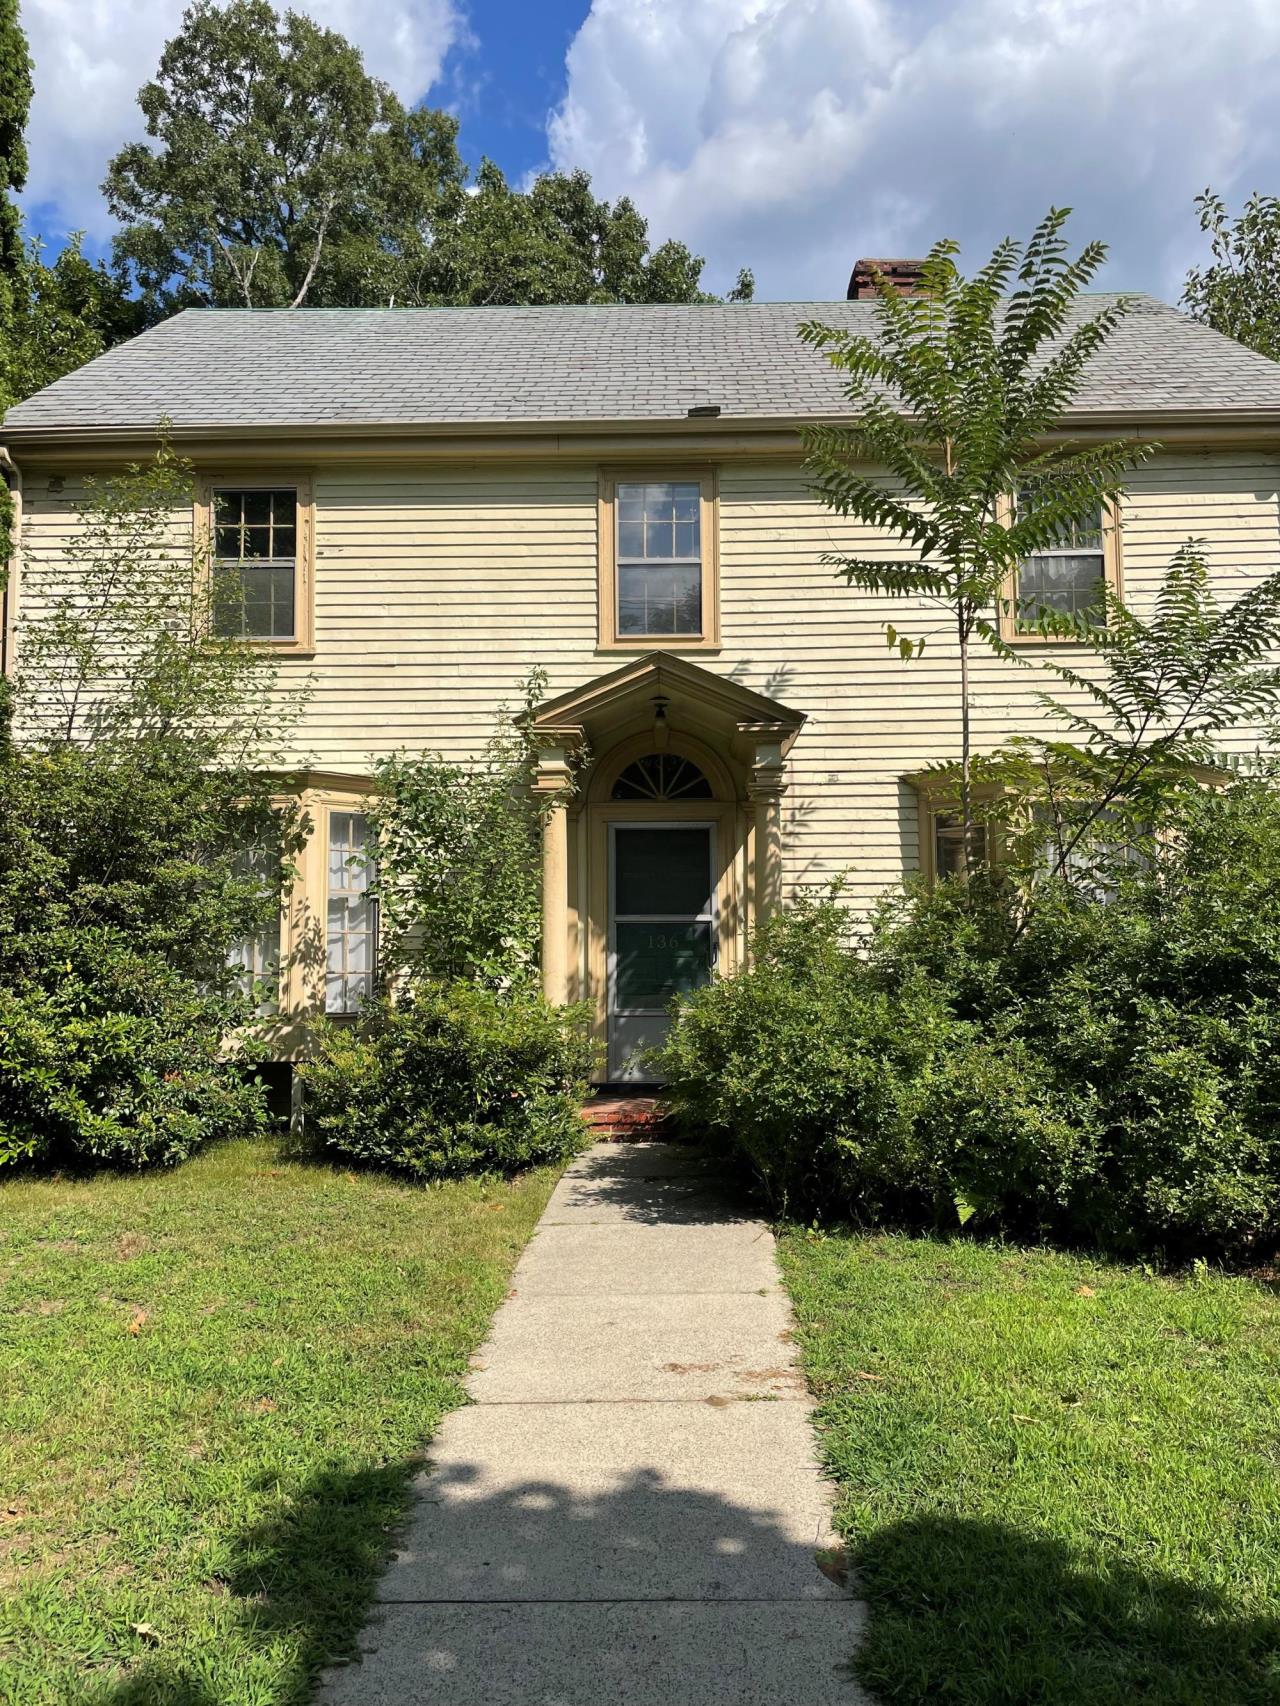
(629, 1512)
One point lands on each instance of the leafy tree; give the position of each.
(554, 243)
(1238, 293)
(280, 173)
(459, 862)
(1145, 726)
(64, 313)
(132, 783)
(52, 318)
(265, 129)
(955, 394)
(15, 103)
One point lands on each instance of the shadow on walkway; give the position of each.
(654, 1184)
(968, 1613)
(304, 1584)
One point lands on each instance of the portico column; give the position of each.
(554, 784)
(765, 790)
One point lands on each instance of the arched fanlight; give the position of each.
(662, 776)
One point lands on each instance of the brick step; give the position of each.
(628, 1117)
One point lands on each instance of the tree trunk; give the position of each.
(966, 792)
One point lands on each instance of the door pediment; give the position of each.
(718, 710)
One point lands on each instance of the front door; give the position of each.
(662, 932)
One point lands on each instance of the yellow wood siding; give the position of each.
(437, 587)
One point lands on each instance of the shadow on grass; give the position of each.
(979, 1614)
(303, 1586)
(302, 1583)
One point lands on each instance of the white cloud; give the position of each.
(796, 135)
(92, 56)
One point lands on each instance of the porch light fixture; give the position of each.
(660, 727)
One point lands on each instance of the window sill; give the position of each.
(1040, 640)
(640, 645)
(278, 648)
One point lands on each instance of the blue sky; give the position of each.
(788, 135)
(513, 76)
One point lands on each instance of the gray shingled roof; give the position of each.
(441, 367)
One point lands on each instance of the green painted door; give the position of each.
(661, 932)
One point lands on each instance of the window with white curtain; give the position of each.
(255, 959)
(352, 918)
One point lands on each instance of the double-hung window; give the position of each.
(260, 536)
(1065, 580)
(351, 939)
(658, 560)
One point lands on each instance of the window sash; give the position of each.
(1078, 596)
(658, 591)
(256, 961)
(351, 916)
(255, 556)
(948, 845)
(1039, 586)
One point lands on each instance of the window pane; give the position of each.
(659, 599)
(659, 538)
(949, 858)
(282, 603)
(658, 961)
(1066, 582)
(351, 916)
(257, 508)
(662, 870)
(257, 541)
(631, 539)
(226, 540)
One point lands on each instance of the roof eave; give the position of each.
(561, 436)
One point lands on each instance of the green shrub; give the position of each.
(1123, 1086)
(817, 1076)
(121, 893)
(132, 781)
(1103, 1071)
(121, 1063)
(454, 1078)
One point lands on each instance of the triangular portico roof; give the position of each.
(693, 698)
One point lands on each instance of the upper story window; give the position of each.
(1066, 580)
(260, 542)
(255, 546)
(658, 559)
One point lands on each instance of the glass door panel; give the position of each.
(661, 932)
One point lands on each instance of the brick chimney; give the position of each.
(904, 276)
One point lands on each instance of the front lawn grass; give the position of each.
(1059, 1481)
(213, 1386)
